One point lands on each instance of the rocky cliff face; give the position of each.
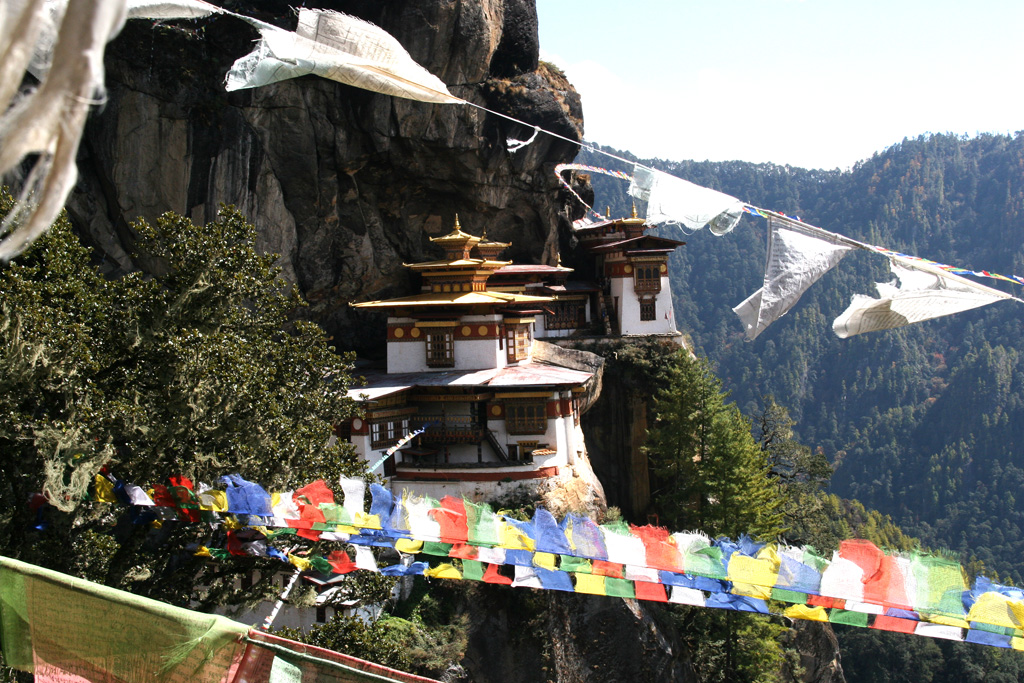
(345, 184)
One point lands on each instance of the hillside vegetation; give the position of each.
(924, 423)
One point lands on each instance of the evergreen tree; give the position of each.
(711, 474)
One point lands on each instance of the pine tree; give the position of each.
(712, 475)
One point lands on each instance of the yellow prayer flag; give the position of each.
(300, 562)
(408, 545)
(443, 571)
(945, 621)
(805, 612)
(213, 500)
(590, 583)
(367, 521)
(514, 539)
(104, 490)
(545, 560)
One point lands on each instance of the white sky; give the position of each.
(812, 83)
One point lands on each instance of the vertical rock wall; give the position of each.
(345, 184)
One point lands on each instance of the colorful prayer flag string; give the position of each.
(460, 539)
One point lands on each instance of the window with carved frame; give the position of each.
(647, 276)
(440, 348)
(517, 341)
(526, 417)
(564, 315)
(386, 433)
(648, 310)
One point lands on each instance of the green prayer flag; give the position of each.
(842, 616)
(56, 625)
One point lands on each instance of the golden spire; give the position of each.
(458, 228)
(633, 216)
(607, 211)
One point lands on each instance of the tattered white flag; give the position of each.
(674, 201)
(62, 45)
(48, 121)
(797, 258)
(171, 9)
(339, 47)
(924, 292)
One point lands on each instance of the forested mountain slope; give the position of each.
(926, 422)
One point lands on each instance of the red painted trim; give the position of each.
(469, 475)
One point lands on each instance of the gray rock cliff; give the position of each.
(345, 184)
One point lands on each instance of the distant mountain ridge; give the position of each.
(927, 422)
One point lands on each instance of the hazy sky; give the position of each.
(812, 83)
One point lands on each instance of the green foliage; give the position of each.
(924, 424)
(711, 474)
(729, 647)
(882, 657)
(428, 638)
(192, 370)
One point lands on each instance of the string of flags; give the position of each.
(455, 538)
(352, 51)
(799, 254)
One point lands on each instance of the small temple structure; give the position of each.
(460, 374)
(633, 267)
(464, 407)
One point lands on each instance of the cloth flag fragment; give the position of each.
(171, 9)
(342, 48)
(797, 258)
(674, 201)
(924, 292)
(63, 628)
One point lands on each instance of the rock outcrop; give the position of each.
(345, 184)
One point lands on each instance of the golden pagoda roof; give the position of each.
(478, 263)
(486, 243)
(634, 219)
(456, 236)
(454, 298)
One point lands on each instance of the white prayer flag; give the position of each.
(796, 260)
(939, 631)
(526, 577)
(339, 47)
(687, 596)
(48, 121)
(354, 489)
(136, 496)
(171, 9)
(675, 201)
(364, 558)
(924, 292)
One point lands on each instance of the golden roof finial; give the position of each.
(559, 257)
(483, 237)
(607, 211)
(458, 228)
(633, 216)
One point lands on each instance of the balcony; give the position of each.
(449, 429)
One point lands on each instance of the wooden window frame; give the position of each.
(386, 433)
(517, 342)
(648, 309)
(526, 417)
(564, 315)
(440, 348)
(647, 277)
